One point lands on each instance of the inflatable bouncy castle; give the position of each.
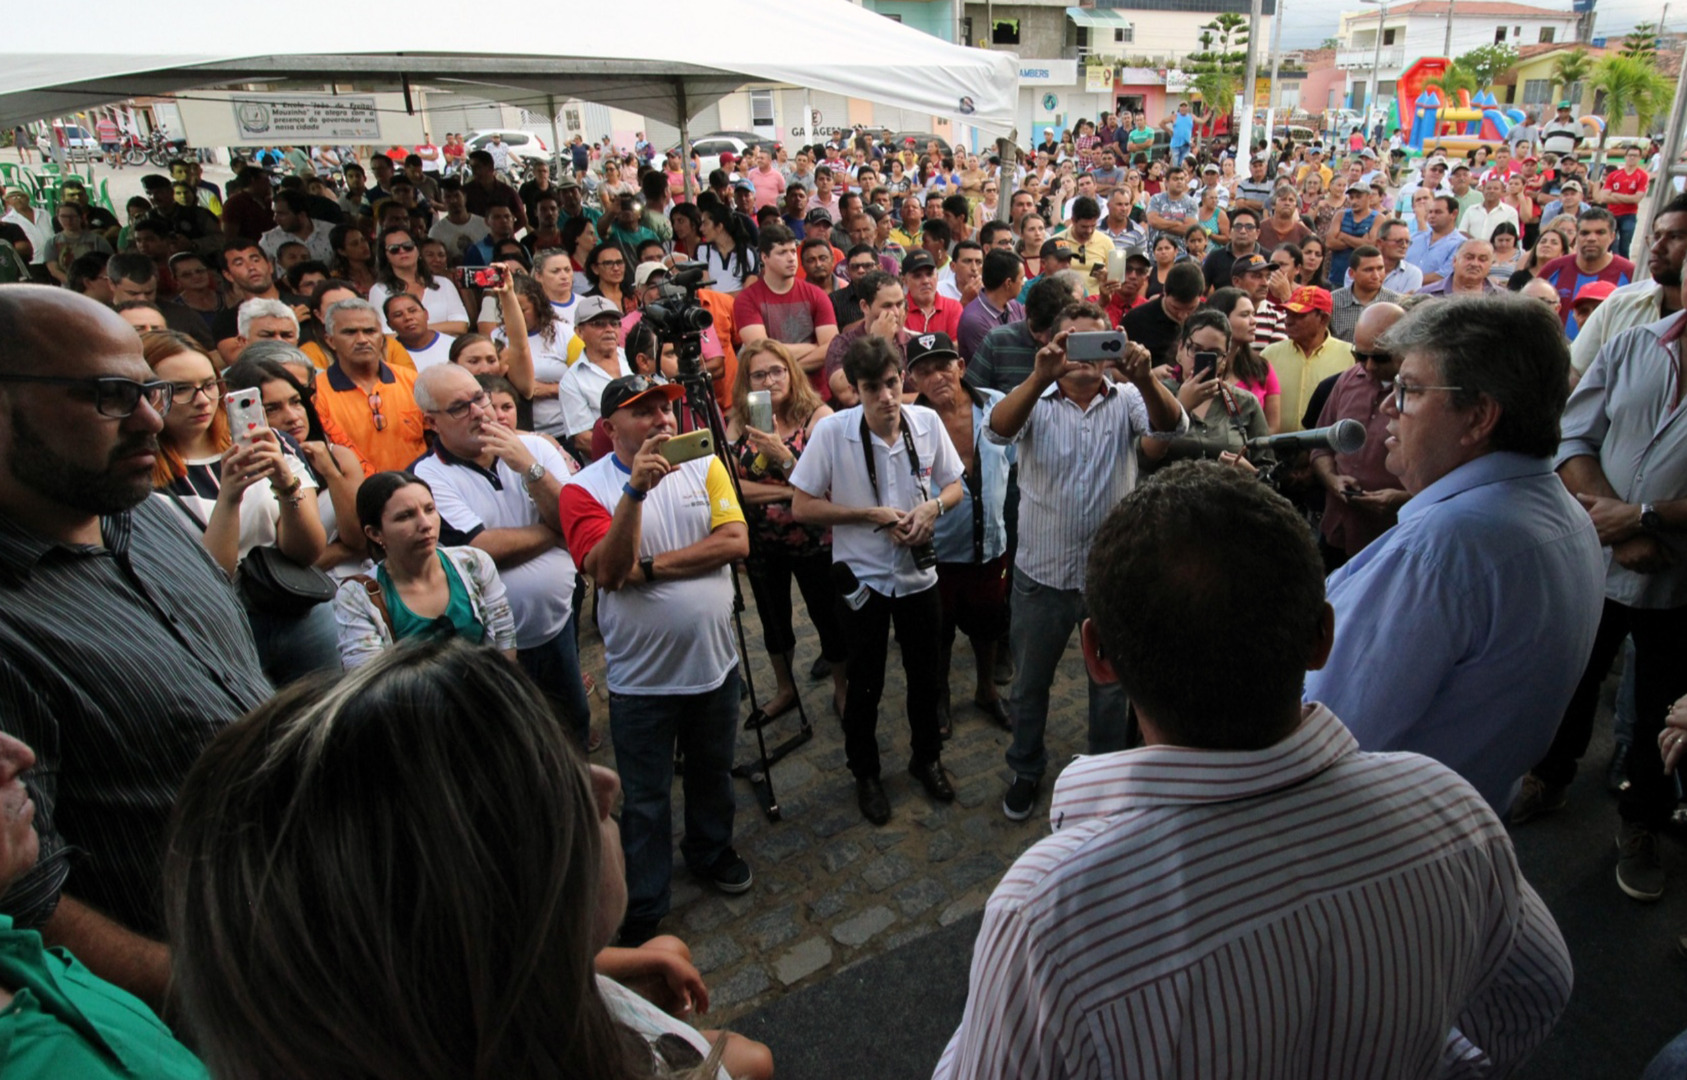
(1472, 120)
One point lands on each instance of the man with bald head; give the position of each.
(1364, 497)
(121, 637)
(1469, 275)
(497, 490)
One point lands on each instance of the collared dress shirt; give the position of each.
(1621, 413)
(1305, 910)
(1357, 396)
(1635, 304)
(979, 318)
(1075, 465)
(1299, 373)
(1463, 630)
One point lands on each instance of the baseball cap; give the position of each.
(744, 185)
(1209, 168)
(1530, 160)
(1563, 104)
(1261, 157)
(1136, 257)
(918, 259)
(1594, 290)
(930, 347)
(1360, 189)
(1054, 249)
(727, 159)
(1568, 184)
(646, 271)
(876, 212)
(818, 216)
(1435, 161)
(1367, 152)
(568, 183)
(1247, 264)
(1309, 298)
(630, 388)
(594, 307)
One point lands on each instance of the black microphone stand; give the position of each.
(705, 412)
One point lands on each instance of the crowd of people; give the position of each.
(300, 481)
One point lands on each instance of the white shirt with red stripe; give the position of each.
(1303, 910)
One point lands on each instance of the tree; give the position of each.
(1330, 43)
(1457, 77)
(1641, 42)
(1628, 84)
(1489, 63)
(1219, 66)
(1570, 70)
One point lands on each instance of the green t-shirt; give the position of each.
(457, 620)
(66, 1023)
(1142, 137)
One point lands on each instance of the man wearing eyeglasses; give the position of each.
(364, 402)
(497, 490)
(1364, 497)
(1462, 631)
(121, 639)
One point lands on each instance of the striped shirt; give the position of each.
(118, 664)
(1075, 465)
(1302, 910)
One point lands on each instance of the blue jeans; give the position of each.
(1043, 620)
(1625, 234)
(1671, 1062)
(646, 729)
(290, 648)
(1625, 710)
(555, 666)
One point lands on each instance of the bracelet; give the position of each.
(632, 492)
(941, 509)
(288, 491)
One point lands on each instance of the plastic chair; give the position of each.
(105, 196)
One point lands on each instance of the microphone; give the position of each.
(853, 592)
(1343, 436)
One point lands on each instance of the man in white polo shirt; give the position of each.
(580, 390)
(658, 539)
(880, 474)
(409, 322)
(497, 491)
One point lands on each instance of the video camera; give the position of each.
(677, 316)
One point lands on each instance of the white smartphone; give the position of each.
(1117, 261)
(245, 413)
(761, 410)
(1096, 346)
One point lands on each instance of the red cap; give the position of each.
(1594, 291)
(1310, 298)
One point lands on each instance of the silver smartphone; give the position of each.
(1096, 346)
(761, 410)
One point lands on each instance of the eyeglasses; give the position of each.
(768, 375)
(611, 264)
(183, 393)
(1238, 226)
(114, 397)
(395, 249)
(1379, 356)
(461, 408)
(1402, 389)
(375, 408)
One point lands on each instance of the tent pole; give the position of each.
(1008, 150)
(685, 139)
(556, 137)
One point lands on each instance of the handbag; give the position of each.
(269, 582)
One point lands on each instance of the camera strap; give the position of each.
(872, 468)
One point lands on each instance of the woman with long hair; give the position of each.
(896, 180)
(1312, 263)
(1196, 243)
(402, 270)
(1032, 232)
(606, 270)
(613, 186)
(354, 261)
(1507, 256)
(348, 820)
(546, 340)
(1222, 419)
(1528, 210)
(266, 366)
(419, 589)
(780, 547)
(1549, 245)
(687, 224)
(579, 237)
(1211, 218)
(1248, 369)
(1165, 252)
(238, 495)
(726, 249)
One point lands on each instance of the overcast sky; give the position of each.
(1311, 21)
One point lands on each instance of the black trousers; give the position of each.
(1660, 677)
(919, 622)
(770, 572)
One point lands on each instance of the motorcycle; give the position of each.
(157, 149)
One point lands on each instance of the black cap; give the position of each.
(818, 216)
(1055, 249)
(930, 347)
(918, 259)
(630, 388)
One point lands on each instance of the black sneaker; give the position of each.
(820, 669)
(1020, 799)
(730, 873)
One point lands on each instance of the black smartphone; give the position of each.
(1205, 364)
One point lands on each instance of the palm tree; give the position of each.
(1457, 77)
(1570, 69)
(1627, 83)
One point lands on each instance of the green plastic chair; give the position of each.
(105, 195)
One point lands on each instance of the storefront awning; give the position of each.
(1098, 18)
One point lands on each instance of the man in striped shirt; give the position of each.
(1076, 430)
(1249, 894)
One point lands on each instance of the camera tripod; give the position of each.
(701, 404)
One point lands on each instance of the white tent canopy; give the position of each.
(665, 59)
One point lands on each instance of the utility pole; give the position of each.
(1244, 138)
(1276, 64)
(1447, 44)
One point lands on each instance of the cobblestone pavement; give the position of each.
(830, 888)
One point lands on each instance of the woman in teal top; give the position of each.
(57, 1018)
(420, 590)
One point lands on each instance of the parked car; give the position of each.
(900, 139)
(523, 144)
(710, 147)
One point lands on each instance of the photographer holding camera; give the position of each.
(880, 474)
(1076, 430)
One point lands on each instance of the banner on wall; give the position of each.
(1098, 79)
(305, 118)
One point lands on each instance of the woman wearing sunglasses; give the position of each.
(239, 495)
(402, 270)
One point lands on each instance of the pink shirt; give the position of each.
(769, 185)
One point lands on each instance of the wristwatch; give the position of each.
(648, 566)
(1650, 519)
(535, 473)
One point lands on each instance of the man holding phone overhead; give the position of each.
(658, 538)
(1075, 429)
